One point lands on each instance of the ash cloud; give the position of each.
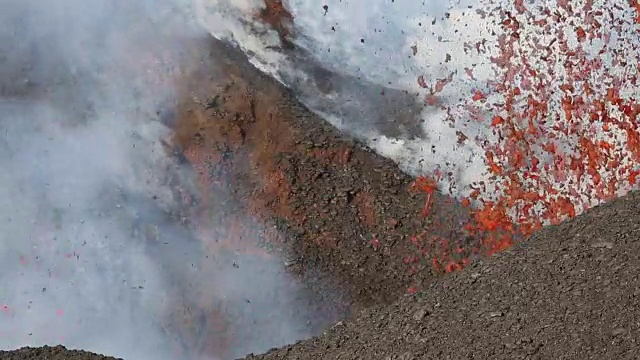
(357, 64)
(94, 252)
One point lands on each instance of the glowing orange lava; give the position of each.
(568, 136)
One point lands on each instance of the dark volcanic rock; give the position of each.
(339, 208)
(51, 353)
(569, 292)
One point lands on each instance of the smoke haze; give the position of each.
(94, 250)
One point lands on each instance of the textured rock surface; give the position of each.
(570, 292)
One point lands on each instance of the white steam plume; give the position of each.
(77, 142)
(361, 46)
(90, 255)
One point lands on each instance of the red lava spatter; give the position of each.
(565, 115)
(279, 18)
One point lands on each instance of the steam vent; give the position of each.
(335, 179)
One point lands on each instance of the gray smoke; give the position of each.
(94, 249)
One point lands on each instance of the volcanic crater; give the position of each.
(264, 183)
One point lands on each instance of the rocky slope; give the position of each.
(569, 292)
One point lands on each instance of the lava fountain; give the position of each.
(527, 111)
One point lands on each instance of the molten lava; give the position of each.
(558, 153)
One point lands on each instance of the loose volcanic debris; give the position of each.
(51, 353)
(340, 209)
(570, 291)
